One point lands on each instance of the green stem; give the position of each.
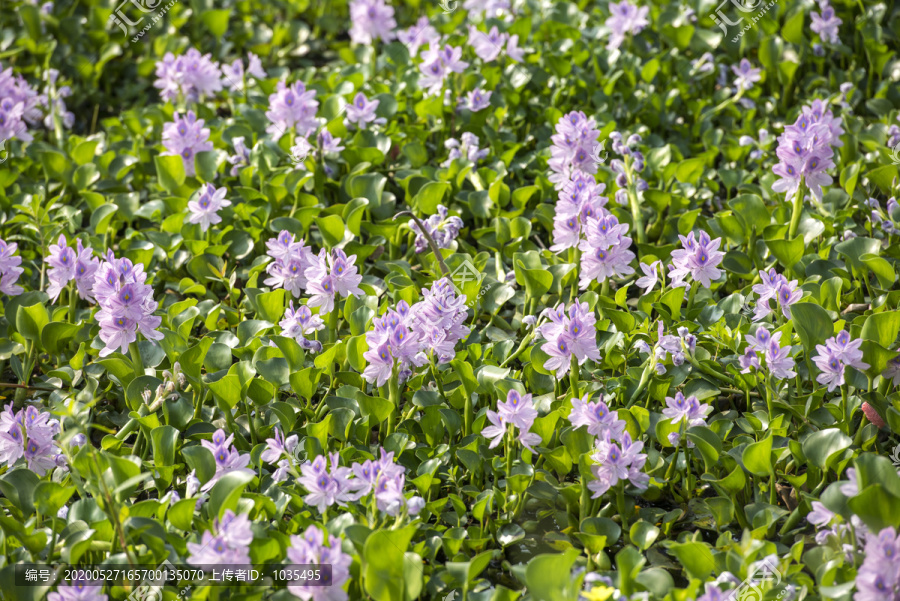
(573, 376)
(636, 216)
(796, 212)
(73, 298)
(623, 512)
(136, 360)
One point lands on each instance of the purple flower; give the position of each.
(330, 274)
(698, 258)
(596, 416)
(241, 156)
(126, 304)
(79, 590)
(279, 447)
(651, 276)
(513, 51)
(420, 34)
(617, 460)
(517, 410)
(326, 487)
(892, 371)
(625, 18)
(831, 367)
(228, 459)
(442, 227)
(234, 73)
(846, 350)
(600, 264)
(465, 148)
(230, 545)
(745, 75)
(291, 260)
(205, 210)
(311, 549)
(292, 107)
(300, 323)
(877, 578)
(778, 361)
(569, 335)
(573, 146)
(9, 269)
(475, 100)
(496, 430)
(826, 23)
(62, 267)
(193, 76)
(362, 111)
(19, 106)
(185, 137)
(806, 150)
(31, 434)
(487, 45)
(372, 20)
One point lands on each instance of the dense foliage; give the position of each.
(478, 300)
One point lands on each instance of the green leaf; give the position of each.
(819, 446)
(227, 491)
(384, 569)
(752, 211)
(757, 457)
(876, 507)
(690, 170)
(30, 321)
(696, 558)
(882, 328)
(812, 323)
(170, 171)
(549, 576)
(56, 335)
(332, 229)
(788, 252)
(882, 269)
(217, 22)
(18, 486)
(181, 514)
(430, 196)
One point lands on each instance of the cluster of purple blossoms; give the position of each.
(475, 100)
(687, 410)
(403, 338)
(517, 411)
(331, 274)
(826, 23)
(291, 260)
(185, 137)
(241, 156)
(228, 458)
(361, 111)
(193, 76)
(292, 107)
(9, 269)
(763, 141)
(698, 258)
(442, 227)
(883, 220)
(488, 46)
(806, 150)
(745, 75)
(838, 353)
(831, 530)
(464, 148)
(29, 434)
(372, 20)
(19, 106)
(625, 18)
(419, 35)
(579, 201)
(436, 64)
(310, 549)
(567, 336)
(573, 148)
(67, 264)
(894, 135)
(667, 344)
(627, 147)
(878, 578)
(229, 545)
(126, 304)
(596, 415)
(775, 286)
(892, 371)
(235, 73)
(326, 487)
(205, 210)
(78, 590)
(56, 104)
(618, 459)
(301, 323)
(280, 451)
(605, 253)
(767, 345)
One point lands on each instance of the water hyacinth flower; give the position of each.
(877, 577)
(331, 274)
(20, 106)
(234, 73)
(835, 356)
(487, 46)
(126, 304)
(825, 23)
(229, 545)
(475, 100)
(442, 227)
(775, 286)
(66, 265)
(205, 210)
(763, 344)
(292, 107)
(326, 487)
(311, 549)
(892, 371)
(228, 458)
(517, 412)
(464, 148)
(625, 18)
(605, 253)
(241, 156)
(651, 276)
(30, 434)
(185, 137)
(806, 150)
(596, 416)
(698, 258)
(192, 76)
(573, 145)
(371, 20)
(362, 111)
(569, 335)
(617, 460)
(280, 450)
(301, 323)
(745, 75)
(420, 34)
(291, 261)
(579, 201)
(78, 590)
